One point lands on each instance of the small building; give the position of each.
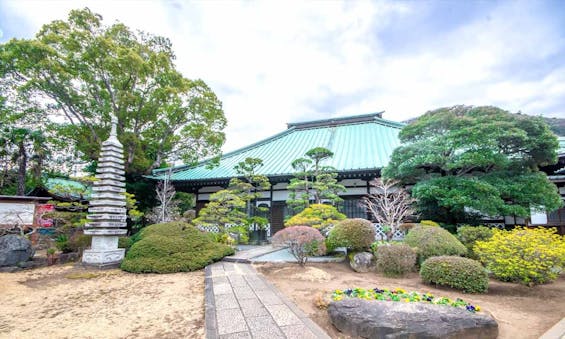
(362, 146)
(21, 211)
(556, 174)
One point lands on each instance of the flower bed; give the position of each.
(401, 295)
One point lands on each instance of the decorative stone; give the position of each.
(14, 249)
(107, 206)
(363, 262)
(389, 319)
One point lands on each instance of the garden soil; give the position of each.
(521, 312)
(67, 301)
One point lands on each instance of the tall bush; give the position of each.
(395, 259)
(463, 274)
(355, 234)
(431, 241)
(528, 256)
(469, 235)
(302, 241)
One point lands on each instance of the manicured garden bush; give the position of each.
(528, 256)
(172, 247)
(395, 259)
(429, 223)
(355, 234)
(319, 216)
(469, 235)
(302, 241)
(125, 242)
(460, 273)
(431, 241)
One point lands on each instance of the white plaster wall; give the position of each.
(12, 213)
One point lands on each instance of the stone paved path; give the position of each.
(240, 303)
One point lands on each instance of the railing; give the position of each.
(216, 228)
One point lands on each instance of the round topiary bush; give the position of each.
(460, 273)
(529, 256)
(172, 247)
(469, 235)
(319, 216)
(432, 241)
(395, 259)
(302, 241)
(355, 234)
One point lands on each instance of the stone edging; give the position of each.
(211, 324)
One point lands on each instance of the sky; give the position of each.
(274, 62)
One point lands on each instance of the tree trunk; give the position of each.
(22, 164)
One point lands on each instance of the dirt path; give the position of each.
(521, 312)
(70, 302)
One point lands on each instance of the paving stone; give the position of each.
(244, 293)
(238, 281)
(283, 315)
(220, 280)
(253, 308)
(217, 269)
(230, 321)
(229, 267)
(258, 284)
(226, 301)
(222, 288)
(269, 297)
(239, 335)
(264, 328)
(298, 331)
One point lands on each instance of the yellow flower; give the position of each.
(477, 308)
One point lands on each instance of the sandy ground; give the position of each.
(65, 301)
(521, 312)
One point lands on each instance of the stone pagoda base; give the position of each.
(110, 258)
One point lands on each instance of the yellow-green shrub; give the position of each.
(529, 256)
(431, 241)
(429, 223)
(463, 274)
(318, 216)
(469, 235)
(355, 234)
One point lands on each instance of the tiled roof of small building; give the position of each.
(363, 142)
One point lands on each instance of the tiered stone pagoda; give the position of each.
(107, 208)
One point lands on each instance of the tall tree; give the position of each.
(313, 181)
(468, 162)
(85, 72)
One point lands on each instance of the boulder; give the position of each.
(389, 319)
(363, 262)
(14, 249)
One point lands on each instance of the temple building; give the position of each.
(362, 146)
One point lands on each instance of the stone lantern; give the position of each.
(107, 207)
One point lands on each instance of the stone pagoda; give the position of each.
(107, 208)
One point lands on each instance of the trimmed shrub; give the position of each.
(125, 242)
(302, 241)
(460, 273)
(469, 235)
(355, 234)
(172, 247)
(395, 259)
(529, 256)
(429, 223)
(431, 241)
(319, 216)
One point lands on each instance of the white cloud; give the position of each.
(276, 62)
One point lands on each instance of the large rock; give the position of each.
(389, 319)
(14, 249)
(363, 262)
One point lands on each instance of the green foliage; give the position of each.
(79, 241)
(225, 207)
(471, 161)
(469, 235)
(319, 216)
(429, 223)
(313, 180)
(173, 247)
(125, 242)
(62, 243)
(302, 242)
(431, 241)
(87, 72)
(184, 201)
(529, 256)
(463, 274)
(241, 234)
(355, 234)
(395, 260)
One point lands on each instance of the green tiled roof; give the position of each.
(363, 142)
(67, 188)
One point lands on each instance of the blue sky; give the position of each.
(277, 62)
